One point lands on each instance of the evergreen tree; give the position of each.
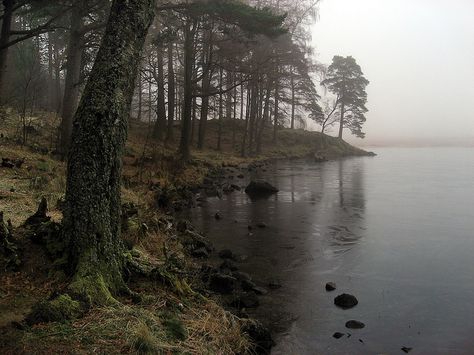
(346, 80)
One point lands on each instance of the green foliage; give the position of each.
(250, 19)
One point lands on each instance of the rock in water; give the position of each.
(337, 335)
(330, 286)
(260, 187)
(345, 301)
(406, 350)
(354, 324)
(222, 283)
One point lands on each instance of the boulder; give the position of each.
(222, 283)
(337, 335)
(247, 285)
(245, 300)
(330, 286)
(260, 336)
(227, 254)
(241, 276)
(345, 301)
(229, 264)
(260, 187)
(200, 253)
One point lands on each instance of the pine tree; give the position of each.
(346, 80)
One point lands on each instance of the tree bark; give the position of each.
(4, 38)
(92, 215)
(277, 110)
(184, 147)
(171, 94)
(293, 99)
(341, 121)
(221, 111)
(160, 124)
(206, 85)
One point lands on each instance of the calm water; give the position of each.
(396, 230)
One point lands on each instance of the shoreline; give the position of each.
(154, 191)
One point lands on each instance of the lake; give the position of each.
(396, 231)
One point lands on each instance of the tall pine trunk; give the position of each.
(206, 84)
(341, 121)
(171, 94)
(92, 215)
(184, 147)
(160, 124)
(73, 77)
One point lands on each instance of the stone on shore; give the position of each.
(260, 187)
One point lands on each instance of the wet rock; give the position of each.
(192, 241)
(236, 187)
(355, 324)
(229, 264)
(260, 290)
(337, 335)
(260, 336)
(345, 301)
(260, 187)
(245, 300)
(222, 283)
(183, 225)
(228, 254)
(200, 253)
(247, 285)
(262, 225)
(330, 286)
(274, 285)
(406, 350)
(241, 276)
(218, 216)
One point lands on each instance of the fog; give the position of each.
(419, 58)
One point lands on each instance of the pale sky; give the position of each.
(419, 58)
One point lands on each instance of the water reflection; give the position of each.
(396, 231)
(318, 212)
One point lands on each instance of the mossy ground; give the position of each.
(171, 317)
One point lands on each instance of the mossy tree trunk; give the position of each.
(92, 216)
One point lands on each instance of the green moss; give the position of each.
(60, 309)
(92, 289)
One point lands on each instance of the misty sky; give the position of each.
(419, 58)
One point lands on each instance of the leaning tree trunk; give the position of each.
(92, 215)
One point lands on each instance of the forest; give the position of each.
(116, 116)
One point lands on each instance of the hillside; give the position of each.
(176, 312)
